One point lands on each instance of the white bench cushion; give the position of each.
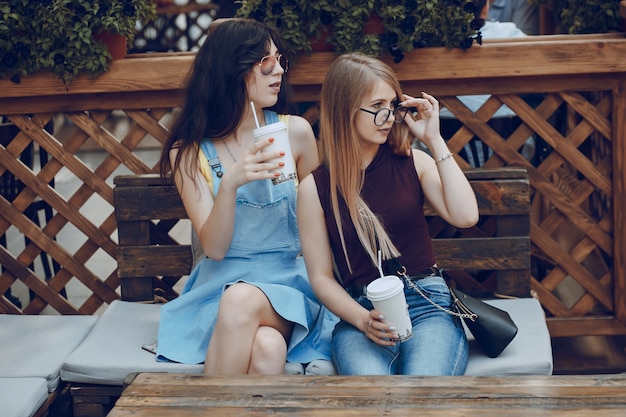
(530, 352)
(36, 345)
(22, 397)
(113, 348)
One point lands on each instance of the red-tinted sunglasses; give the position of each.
(268, 63)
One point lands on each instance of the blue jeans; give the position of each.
(438, 345)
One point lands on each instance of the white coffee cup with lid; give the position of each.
(278, 131)
(387, 295)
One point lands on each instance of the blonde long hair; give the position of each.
(350, 79)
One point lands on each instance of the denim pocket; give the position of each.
(435, 288)
(261, 226)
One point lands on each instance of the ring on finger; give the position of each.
(369, 323)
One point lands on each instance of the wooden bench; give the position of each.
(373, 396)
(491, 258)
(496, 252)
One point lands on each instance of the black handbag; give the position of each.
(492, 328)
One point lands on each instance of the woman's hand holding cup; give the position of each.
(379, 331)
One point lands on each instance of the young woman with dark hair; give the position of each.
(247, 306)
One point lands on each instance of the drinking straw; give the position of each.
(256, 120)
(380, 264)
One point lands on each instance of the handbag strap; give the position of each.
(463, 312)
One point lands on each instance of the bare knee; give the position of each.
(240, 305)
(269, 352)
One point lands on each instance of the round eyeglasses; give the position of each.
(268, 63)
(381, 116)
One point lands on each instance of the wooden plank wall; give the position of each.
(567, 93)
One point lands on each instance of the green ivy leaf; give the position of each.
(53, 28)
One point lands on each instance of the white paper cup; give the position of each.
(387, 296)
(278, 131)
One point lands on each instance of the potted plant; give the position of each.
(65, 36)
(374, 27)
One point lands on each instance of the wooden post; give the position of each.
(619, 199)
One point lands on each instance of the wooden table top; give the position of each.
(158, 394)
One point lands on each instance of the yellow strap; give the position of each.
(205, 170)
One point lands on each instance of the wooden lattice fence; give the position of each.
(566, 93)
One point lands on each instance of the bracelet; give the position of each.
(443, 158)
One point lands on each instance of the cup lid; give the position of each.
(272, 127)
(384, 287)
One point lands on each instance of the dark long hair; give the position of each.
(216, 94)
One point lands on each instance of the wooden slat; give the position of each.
(423, 411)
(138, 180)
(589, 326)
(499, 192)
(495, 253)
(170, 69)
(103, 139)
(504, 173)
(584, 277)
(574, 213)
(619, 196)
(163, 260)
(498, 197)
(57, 151)
(303, 93)
(22, 273)
(93, 400)
(502, 191)
(186, 395)
(150, 122)
(577, 54)
(552, 54)
(147, 203)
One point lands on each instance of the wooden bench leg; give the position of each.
(58, 404)
(94, 400)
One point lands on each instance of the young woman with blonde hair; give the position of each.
(367, 196)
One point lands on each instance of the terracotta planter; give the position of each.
(321, 45)
(374, 26)
(115, 43)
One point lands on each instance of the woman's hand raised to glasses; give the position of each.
(425, 126)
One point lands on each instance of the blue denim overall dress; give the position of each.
(265, 252)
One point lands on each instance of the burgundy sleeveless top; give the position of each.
(393, 191)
